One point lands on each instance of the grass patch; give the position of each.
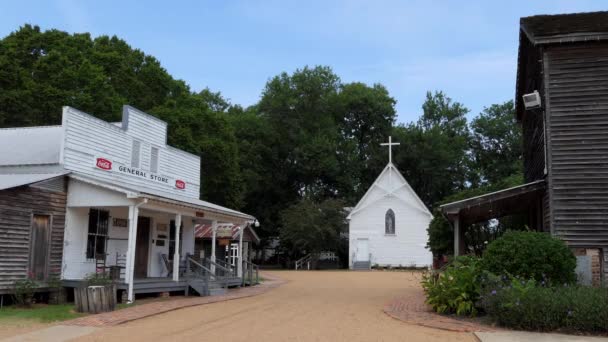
(41, 313)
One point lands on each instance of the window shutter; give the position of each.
(135, 153)
(154, 160)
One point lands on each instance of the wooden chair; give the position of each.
(100, 263)
(118, 270)
(168, 263)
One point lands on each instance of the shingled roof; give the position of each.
(565, 28)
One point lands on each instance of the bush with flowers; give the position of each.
(456, 289)
(524, 281)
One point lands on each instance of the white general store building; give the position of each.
(130, 197)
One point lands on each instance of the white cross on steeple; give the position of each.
(390, 145)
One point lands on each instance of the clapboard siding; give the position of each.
(87, 137)
(577, 99)
(17, 205)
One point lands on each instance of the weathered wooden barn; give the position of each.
(565, 59)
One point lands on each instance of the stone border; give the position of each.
(151, 309)
(412, 309)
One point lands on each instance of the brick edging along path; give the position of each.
(413, 310)
(155, 308)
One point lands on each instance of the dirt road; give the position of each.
(311, 306)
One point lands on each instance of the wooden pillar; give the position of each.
(239, 266)
(459, 248)
(178, 226)
(131, 243)
(213, 242)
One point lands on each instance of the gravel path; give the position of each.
(311, 306)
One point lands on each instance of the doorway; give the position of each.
(39, 249)
(362, 250)
(142, 247)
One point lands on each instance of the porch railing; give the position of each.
(221, 272)
(304, 262)
(251, 272)
(199, 271)
(226, 265)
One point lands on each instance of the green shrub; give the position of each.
(455, 290)
(531, 255)
(525, 305)
(98, 279)
(24, 290)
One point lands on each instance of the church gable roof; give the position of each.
(390, 182)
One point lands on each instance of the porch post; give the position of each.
(213, 230)
(239, 266)
(178, 226)
(458, 237)
(131, 243)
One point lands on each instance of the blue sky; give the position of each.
(467, 49)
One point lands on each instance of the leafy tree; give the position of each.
(496, 144)
(365, 117)
(298, 108)
(311, 227)
(42, 71)
(433, 155)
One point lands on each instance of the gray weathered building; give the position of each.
(565, 59)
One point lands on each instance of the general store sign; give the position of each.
(112, 166)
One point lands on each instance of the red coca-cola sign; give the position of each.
(180, 184)
(104, 164)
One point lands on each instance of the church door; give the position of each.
(362, 250)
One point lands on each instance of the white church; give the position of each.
(388, 227)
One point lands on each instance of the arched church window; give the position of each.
(389, 222)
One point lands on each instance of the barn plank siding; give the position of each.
(576, 81)
(17, 206)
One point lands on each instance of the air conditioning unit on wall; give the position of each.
(532, 100)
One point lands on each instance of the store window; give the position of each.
(97, 233)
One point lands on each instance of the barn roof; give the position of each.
(540, 30)
(565, 28)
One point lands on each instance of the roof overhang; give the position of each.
(495, 204)
(8, 181)
(189, 203)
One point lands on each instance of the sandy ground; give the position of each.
(11, 327)
(312, 306)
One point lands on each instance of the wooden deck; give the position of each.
(152, 284)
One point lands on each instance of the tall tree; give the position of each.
(496, 144)
(298, 108)
(42, 71)
(365, 119)
(433, 155)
